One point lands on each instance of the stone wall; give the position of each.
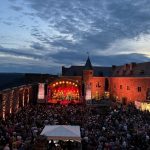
(11, 100)
(129, 89)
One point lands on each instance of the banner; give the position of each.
(41, 91)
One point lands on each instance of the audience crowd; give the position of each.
(120, 128)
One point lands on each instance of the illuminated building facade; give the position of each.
(130, 82)
(15, 93)
(12, 99)
(126, 83)
(78, 84)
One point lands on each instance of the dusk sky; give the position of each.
(43, 35)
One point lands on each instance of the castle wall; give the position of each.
(129, 89)
(11, 100)
(98, 87)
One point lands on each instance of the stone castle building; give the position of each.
(128, 83)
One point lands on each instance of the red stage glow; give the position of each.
(63, 92)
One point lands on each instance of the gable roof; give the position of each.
(133, 70)
(78, 71)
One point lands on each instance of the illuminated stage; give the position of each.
(64, 92)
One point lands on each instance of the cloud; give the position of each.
(94, 24)
(114, 32)
(7, 23)
(16, 8)
(99, 60)
(132, 16)
(24, 54)
(9, 67)
(140, 45)
(120, 59)
(26, 61)
(37, 46)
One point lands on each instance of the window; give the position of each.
(124, 71)
(98, 84)
(148, 94)
(142, 72)
(131, 72)
(139, 89)
(120, 86)
(75, 74)
(128, 88)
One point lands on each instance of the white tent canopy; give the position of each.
(62, 132)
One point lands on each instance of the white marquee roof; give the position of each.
(62, 132)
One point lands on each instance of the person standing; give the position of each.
(6, 147)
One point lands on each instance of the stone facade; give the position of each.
(126, 83)
(130, 89)
(11, 100)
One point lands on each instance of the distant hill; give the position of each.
(9, 80)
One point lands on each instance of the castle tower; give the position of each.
(87, 79)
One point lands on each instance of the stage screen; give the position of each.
(41, 91)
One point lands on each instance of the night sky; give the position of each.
(42, 35)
